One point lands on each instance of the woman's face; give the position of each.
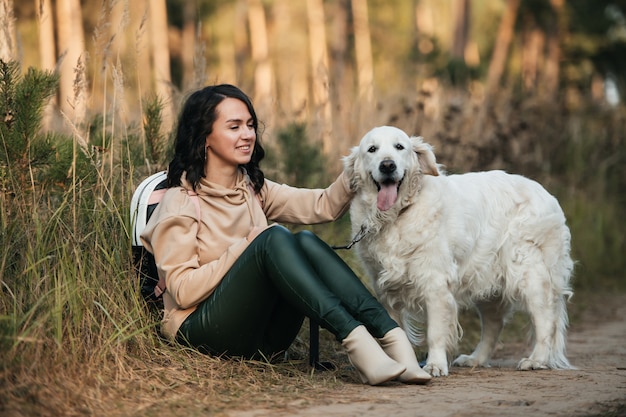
(232, 140)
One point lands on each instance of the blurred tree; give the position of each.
(464, 52)
(322, 108)
(73, 87)
(120, 21)
(241, 46)
(424, 20)
(461, 29)
(188, 44)
(159, 30)
(47, 47)
(556, 34)
(542, 32)
(339, 56)
(292, 69)
(501, 49)
(141, 53)
(533, 43)
(8, 44)
(340, 87)
(259, 44)
(47, 51)
(363, 50)
(188, 53)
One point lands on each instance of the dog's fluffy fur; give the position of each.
(437, 242)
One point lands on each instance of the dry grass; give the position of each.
(147, 377)
(138, 380)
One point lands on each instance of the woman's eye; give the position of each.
(371, 149)
(399, 146)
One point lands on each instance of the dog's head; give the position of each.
(384, 159)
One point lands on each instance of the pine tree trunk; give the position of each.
(8, 46)
(73, 75)
(501, 49)
(292, 72)
(342, 87)
(319, 72)
(363, 50)
(533, 44)
(161, 61)
(263, 77)
(47, 53)
(461, 29)
(229, 48)
(553, 58)
(47, 49)
(188, 51)
(424, 20)
(241, 43)
(119, 23)
(139, 15)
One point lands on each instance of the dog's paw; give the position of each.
(468, 361)
(436, 369)
(528, 364)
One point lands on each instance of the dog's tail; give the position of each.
(413, 328)
(413, 324)
(561, 273)
(558, 355)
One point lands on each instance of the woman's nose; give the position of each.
(250, 133)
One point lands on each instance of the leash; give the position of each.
(360, 235)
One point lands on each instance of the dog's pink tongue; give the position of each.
(387, 196)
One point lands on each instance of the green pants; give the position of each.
(281, 278)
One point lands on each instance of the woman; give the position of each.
(239, 287)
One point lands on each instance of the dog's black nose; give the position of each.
(387, 166)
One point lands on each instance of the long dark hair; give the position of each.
(195, 123)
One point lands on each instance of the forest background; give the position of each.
(89, 92)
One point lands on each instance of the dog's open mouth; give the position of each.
(387, 193)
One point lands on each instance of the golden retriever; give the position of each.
(434, 243)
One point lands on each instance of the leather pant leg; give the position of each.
(245, 315)
(343, 282)
(261, 302)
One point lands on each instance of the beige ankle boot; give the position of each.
(396, 344)
(366, 355)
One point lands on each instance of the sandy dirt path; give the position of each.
(596, 346)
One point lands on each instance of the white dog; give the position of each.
(434, 242)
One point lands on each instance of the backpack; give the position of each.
(143, 203)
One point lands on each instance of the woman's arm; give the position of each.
(288, 204)
(172, 237)
(175, 249)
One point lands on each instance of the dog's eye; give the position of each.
(399, 146)
(371, 149)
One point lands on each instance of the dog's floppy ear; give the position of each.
(425, 156)
(352, 168)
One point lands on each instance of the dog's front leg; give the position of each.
(442, 330)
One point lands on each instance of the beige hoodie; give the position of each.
(194, 261)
